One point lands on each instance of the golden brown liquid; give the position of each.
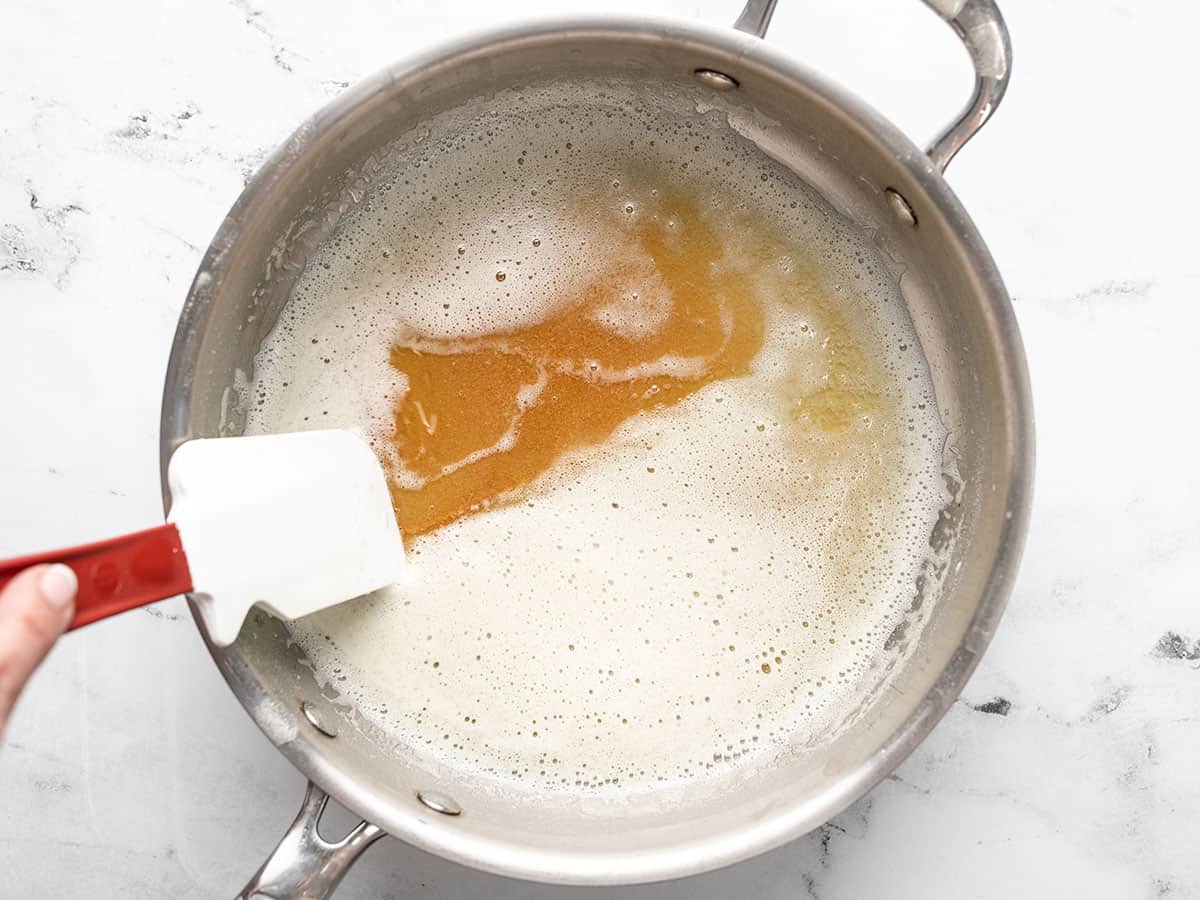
(464, 394)
(849, 385)
(691, 589)
(482, 417)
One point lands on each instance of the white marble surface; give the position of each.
(1070, 764)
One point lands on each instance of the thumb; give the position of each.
(35, 608)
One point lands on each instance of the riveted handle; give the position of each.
(980, 27)
(305, 866)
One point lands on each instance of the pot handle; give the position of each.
(981, 28)
(305, 866)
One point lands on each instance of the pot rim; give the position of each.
(784, 823)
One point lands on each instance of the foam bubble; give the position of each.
(714, 581)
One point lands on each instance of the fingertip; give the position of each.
(58, 585)
(36, 607)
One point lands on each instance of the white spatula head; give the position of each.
(290, 522)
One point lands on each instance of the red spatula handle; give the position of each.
(118, 574)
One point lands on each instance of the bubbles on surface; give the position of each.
(707, 585)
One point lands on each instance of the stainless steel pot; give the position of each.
(965, 323)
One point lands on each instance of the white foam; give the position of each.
(614, 629)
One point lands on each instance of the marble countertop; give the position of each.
(1069, 764)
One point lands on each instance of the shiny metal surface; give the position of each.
(981, 28)
(901, 207)
(957, 301)
(310, 714)
(755, 17)
(440, 803)
(718, 81)
(305, 866)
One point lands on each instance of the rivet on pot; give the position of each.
(311, 715)
(718, 81)
(901, 207)
(440, 803)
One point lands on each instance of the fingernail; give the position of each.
(58, 585)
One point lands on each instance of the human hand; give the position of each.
(35, 609)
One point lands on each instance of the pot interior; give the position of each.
(847, 156)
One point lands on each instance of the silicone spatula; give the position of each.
(290, 522)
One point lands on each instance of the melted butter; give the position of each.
(849, 385)
(704, 578)
(483, 417)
